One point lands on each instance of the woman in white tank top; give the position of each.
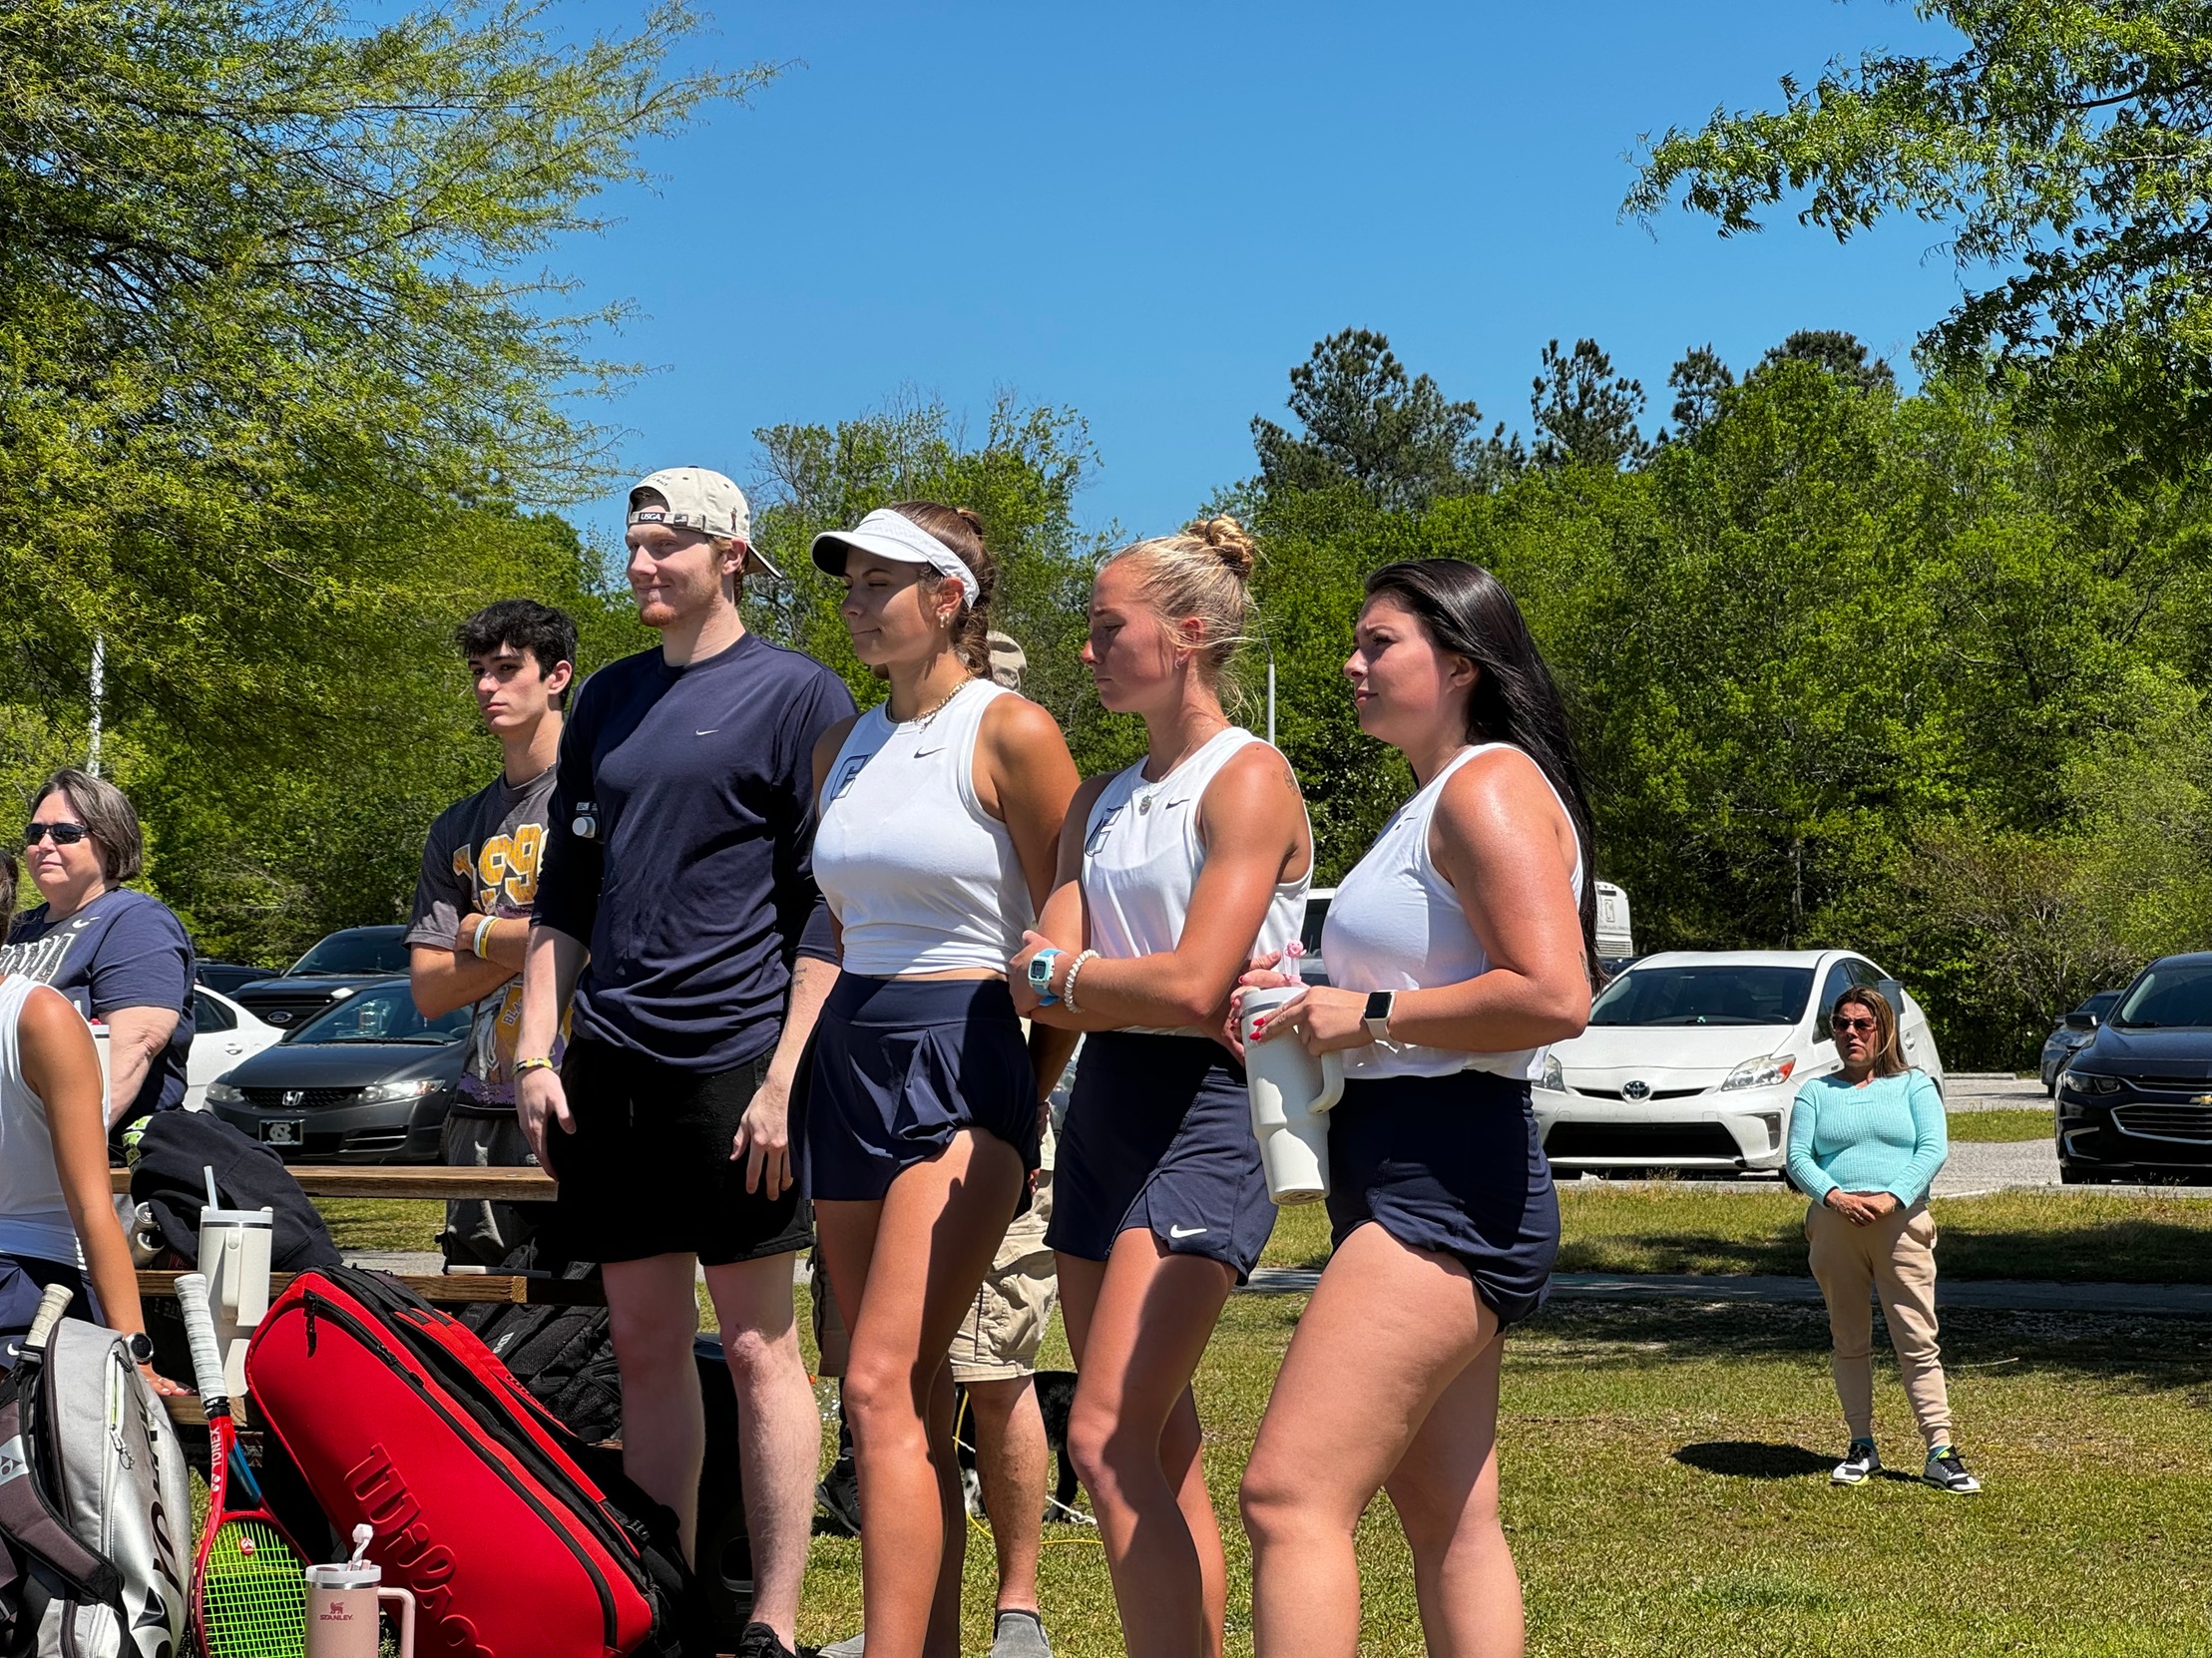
(939, 814)
(1459, 947)
(1172, 873)
(58, 1222)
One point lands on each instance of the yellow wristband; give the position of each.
(539, 1062)
(482, 930)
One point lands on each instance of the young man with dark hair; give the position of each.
(471, 921)
(679, 859)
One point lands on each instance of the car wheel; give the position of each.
(2071, 1174)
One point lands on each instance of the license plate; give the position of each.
(284, 1131)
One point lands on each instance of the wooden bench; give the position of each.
(431, 1183)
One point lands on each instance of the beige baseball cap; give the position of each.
(1007, 659)
(703, 501)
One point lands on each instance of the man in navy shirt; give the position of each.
(678, 859)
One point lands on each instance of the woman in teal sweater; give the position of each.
(1865, 1144)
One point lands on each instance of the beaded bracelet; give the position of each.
(1068, 991)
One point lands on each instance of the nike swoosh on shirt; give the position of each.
(1184, 1231)
(709, 731)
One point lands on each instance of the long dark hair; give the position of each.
(1466, 610)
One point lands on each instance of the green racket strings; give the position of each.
(253, 1595)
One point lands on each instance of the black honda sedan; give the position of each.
(367, 1080)
(2137, 1102)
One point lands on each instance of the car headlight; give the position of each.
(2082, 1082)
(384, 1093)
(222, 1093)
(1553, 1077)
(1762, 1073)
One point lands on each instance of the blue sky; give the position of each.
(1149, 213)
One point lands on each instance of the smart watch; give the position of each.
(141, 1346)
(1376, 1016)
(1041, 976)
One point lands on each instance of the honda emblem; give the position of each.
(292, 1099)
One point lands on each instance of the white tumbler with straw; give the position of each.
(235, 1257)
(1291, 1092)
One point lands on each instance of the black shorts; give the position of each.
(649, 1171)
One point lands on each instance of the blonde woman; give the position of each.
(1173, 873)
(1865, 1142)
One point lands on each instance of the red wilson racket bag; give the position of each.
(517, 1538)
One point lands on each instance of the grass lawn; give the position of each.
(2045, 1234)
(2000, 1126)
(1667, 1491)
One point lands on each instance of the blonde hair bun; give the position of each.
(1230, 541)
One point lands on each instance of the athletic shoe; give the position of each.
(849, 1647)
(759, 1641)
(1020, 1635)
(1860, 1462)
(1947, 1472)
(838, 1495)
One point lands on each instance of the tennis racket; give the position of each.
(248, 1581)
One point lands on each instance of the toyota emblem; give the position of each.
(1635, 1091)
(293, 1097)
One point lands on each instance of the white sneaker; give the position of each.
(1861, 1462)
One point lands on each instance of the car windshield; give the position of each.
(361, 949)
(1705, 995)
(382, 1014)
(2169, 994)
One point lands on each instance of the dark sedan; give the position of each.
(2073, 1034)
(337, 966)
(370, 1080)
(2137, 1102)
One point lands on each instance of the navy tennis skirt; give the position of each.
(1452, 1165)
(1159, 1136)
(903, 1064)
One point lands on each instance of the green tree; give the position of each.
(1585, 415)
(1365, 420)
(1700, 380)
(1836, 351)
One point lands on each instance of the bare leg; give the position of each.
(1395, 1329)
(1138, 1327)
(905, 1272)
(779, 1431)
(652, 1314)
(1011, 1458)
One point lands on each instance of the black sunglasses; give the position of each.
(65, 834)
(1843, 1024)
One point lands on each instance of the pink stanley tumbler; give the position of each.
(344, 1604)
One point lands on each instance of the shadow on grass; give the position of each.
(2147, 1352)
(1749, 1460)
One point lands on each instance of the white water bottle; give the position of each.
(1291, 1092)
(235, 1256)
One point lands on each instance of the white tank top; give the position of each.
(34, 1219)
(1142, 856)
(1396, 924)
(919, 877)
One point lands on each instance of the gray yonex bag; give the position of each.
(85, 1442)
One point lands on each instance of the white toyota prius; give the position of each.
(1692, 1058)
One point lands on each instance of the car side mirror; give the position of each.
(2079, 1021)
(1893, 992)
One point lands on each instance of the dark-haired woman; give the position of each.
(1459, 947)
(939, 812)
(1173, 872)
(119, 957)
(1865, 1142)
(58, 1222)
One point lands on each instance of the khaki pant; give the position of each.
(1894, 1257)
(999, 1339)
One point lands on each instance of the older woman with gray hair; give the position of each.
(121, 957)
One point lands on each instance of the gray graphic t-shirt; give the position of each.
(482, 858)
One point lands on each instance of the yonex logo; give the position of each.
(13, 1463)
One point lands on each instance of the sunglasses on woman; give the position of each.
(1866, 1026)
(65, 834)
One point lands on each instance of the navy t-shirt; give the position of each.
(679, 847)
(125, 949)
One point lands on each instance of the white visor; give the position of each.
(894, 536)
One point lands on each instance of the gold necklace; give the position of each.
(921, 721)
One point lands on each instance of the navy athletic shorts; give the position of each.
(903, 1064)
(1452, 1165)
(1159, 1136)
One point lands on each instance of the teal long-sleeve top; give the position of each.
(1885, 1137)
